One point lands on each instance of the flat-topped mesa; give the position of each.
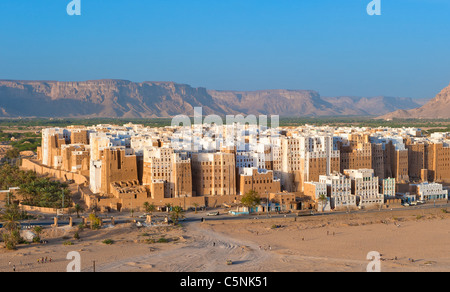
(115, 98)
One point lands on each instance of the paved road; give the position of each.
(192, 217)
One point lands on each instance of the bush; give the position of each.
(68, 243)
(36, 239)
(108, 241)
(163, 240)
(76, 236)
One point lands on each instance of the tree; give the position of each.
(12, 153)
(168, 207)
(11, 215)
(149, 208)
(195, 206)
(38, 231)
(95, 221)
(176, 214)
(323, 199)
(251, 200)
(78, 210)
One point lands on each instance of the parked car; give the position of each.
(214, 214)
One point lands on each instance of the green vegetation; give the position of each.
(11, 176)
(78, 209)
(67, 243)
(357, 121)
(11, 235)
(95, 221)
(76, 236)
(36, 191)
(108, 241)
(149, 208)
(251, 199)
(28, 141)
(176, 214)
(38, 230)
(46, 193)
(163, 240)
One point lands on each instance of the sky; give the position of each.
(331, 46)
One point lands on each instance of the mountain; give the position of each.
(372, 106)
(121, 98)
(437, 108)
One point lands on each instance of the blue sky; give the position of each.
(331, 46)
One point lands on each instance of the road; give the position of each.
(192, 217)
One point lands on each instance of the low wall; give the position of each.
(42, 209)
(59, 174)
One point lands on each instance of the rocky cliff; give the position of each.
(121, 98)
(437, 108)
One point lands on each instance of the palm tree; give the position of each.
(11, 215)
(323, 199)
(195, 206)
(168, 207)
(176, 214)
(149, 208)
(78, 209)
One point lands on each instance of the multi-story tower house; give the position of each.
(213, 174)
(365, 186)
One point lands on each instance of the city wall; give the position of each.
(59, 174)
(42, 209)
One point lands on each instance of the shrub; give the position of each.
(67, 243)
(108, 241)
(163, 240)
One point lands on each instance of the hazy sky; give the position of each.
(332, 46)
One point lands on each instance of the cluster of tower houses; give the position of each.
(295, 168)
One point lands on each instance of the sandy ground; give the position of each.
(322, 243)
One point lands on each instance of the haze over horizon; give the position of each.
(332, 47)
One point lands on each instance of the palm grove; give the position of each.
(34, 191)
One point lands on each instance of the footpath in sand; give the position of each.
(318, 243)
(407, 240)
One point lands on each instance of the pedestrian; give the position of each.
(214, 244)
(14, 268)
(270, 248)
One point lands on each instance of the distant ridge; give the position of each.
(116, 98)
(436, 108)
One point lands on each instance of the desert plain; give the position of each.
(408, 241)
